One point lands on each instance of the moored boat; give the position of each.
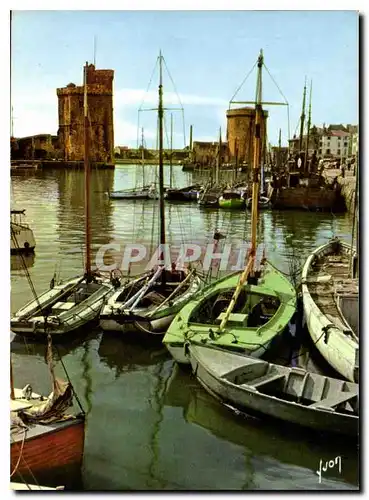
(263, 202)
(231, 199)
(188, 193)
(21, 235)
(64, 308)
(261, 313)
(149, 303)
(327, 290)
(46, 433)
(286, 393)
(209, 198)
(134, 194)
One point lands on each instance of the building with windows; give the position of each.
(334, 144)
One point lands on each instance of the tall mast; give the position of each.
(190, 137)
(279, 157)
(143, 157)
(219, 159)
(255, 193)
(12, 124)
(171, 151)
(302, 119)
(236, 161)
(12, 396)
(161, 167)
(308, 128)
(86, 126)
(256, 163)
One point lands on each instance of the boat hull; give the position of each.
(157, 326)
(239, 335)
(29, 321)
(25, 240)
(181, 195)
(153, 320)
(57, 446)
(234, 204)
(246, 397)
(338, 348)
(306, 198)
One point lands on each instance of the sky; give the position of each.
(208, 55)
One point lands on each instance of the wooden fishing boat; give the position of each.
(188, 193)
(231, 199)
(21, 235)
(71, 304)
(244, 311)
(263, 202)
(46, 433)
(64, 308)
(286, 393)
(133, 194)
(209, 198)
(261, 313)
(150, 302)
(330, 299)
(301, 188)
(313, 194)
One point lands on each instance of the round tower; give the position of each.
(240, 133)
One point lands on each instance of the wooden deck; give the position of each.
(325, 275)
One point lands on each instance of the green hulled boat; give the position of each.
(231, 199)
(261, 312)
(244, 311)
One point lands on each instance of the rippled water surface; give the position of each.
(149, 424)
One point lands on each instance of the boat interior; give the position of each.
(69, 298)
(158, 292)
(250, 311)
(231, 195)
(328, 276)
(295, 384)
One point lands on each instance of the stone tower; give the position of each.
(100, 110)
(240, 132)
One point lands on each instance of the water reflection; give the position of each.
(18, 262)
(126, 355)
(71, 209)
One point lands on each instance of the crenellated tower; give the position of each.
(100, 109)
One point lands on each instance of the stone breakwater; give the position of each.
(348, 186)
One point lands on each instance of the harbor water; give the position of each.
(150, 425)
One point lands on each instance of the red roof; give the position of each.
(338, 133)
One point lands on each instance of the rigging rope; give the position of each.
(20, 454)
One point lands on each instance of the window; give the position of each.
(338, 151)
(320, 151)
(345, 144)
(328, 151)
